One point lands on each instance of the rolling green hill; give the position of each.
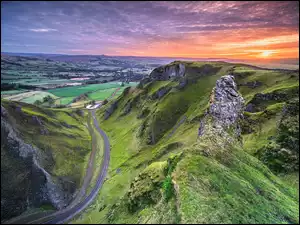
(162, 171)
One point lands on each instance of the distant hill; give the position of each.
(290, 63)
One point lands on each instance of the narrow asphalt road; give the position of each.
(75, 210)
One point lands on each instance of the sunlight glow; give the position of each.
(266, 53)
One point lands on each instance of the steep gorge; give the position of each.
(31, 154)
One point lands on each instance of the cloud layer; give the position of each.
(191, 29)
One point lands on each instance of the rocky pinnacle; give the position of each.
(226, 106)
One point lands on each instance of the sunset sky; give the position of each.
(236, 30)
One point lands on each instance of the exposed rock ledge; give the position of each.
(166, 72)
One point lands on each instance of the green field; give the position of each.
(78, 90)
(64, 101)
(12, 92)
(96, 91)
(101, 94)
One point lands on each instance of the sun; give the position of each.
(266, 54)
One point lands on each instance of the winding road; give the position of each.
(75, 210)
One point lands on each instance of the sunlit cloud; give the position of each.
(263, 42)
(42, 30)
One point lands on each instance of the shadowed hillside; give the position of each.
(43, 157)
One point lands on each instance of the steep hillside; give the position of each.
(169, 162)
(44, 153)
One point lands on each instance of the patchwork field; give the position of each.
(78, 90)
(64, 96)
(30, 97)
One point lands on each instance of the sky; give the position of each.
(197, 29)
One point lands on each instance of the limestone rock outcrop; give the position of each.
(166, 72)
(225, 110)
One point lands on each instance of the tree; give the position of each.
(104, 102)
(45, 99)
(51, 100)
(37, 102)
(122, 85)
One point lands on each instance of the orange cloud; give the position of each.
(263, 43)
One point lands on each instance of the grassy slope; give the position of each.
(69, 146)
(239, 190)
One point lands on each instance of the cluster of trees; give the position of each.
(80, 97)
(95, 81)
(14, 86)
(48, 99)
(93, 102)
(104, 102)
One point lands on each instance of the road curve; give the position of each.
(75, 210)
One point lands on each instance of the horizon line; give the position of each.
(172, 57)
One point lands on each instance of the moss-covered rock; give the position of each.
(145, 189)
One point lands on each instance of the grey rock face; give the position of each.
(142, 83)
(226, 107)
(161, 92)
(227, 104)
(166, 72)
(36, 120)
(182, 83)
(39, 184)
(110, 110)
